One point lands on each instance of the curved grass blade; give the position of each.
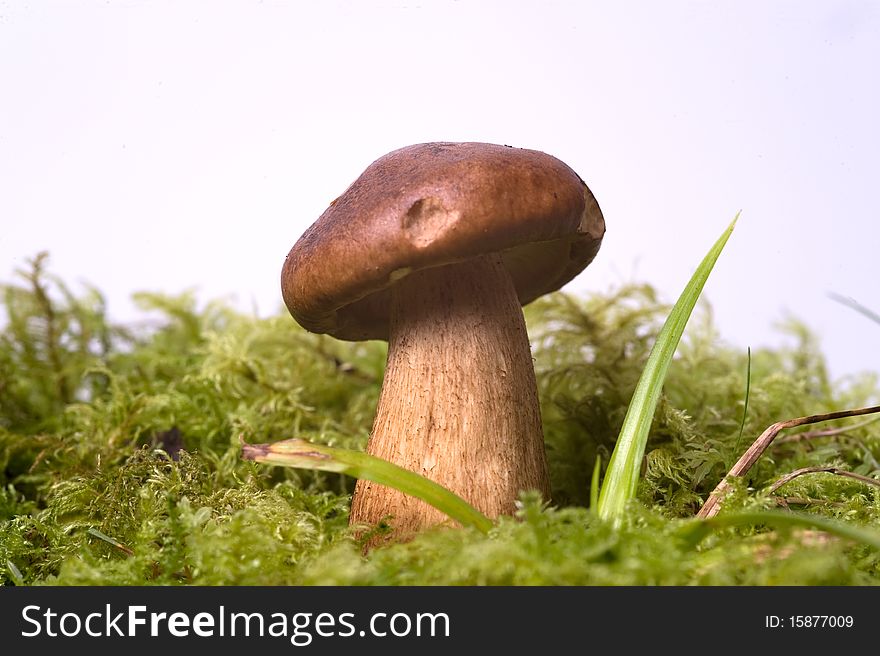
(693, 533)
(306, 455)
(855, 305)
(622, 475)
(594, 485)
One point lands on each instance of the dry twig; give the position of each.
(824, 432)
(750, 457)
(837, 471)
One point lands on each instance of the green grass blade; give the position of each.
(306, 455)
(622, 475)
(14, 573)
(594, 485)
(106, 538)
(695, 532)
(742, 424)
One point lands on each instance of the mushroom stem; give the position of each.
(459, 402)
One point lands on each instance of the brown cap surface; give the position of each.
(433, 204)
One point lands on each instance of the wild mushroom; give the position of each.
(434, 248)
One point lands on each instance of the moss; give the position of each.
(119, 457)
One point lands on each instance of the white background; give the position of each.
(170, 145)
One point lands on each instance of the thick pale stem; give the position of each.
(459, 402)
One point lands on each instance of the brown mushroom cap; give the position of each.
(434, 204)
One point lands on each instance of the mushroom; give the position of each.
(435, 248)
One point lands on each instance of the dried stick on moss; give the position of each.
(837, 471)
(750, 457)
(823, 432)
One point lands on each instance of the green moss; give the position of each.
(132, 433)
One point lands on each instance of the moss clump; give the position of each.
(119, 456)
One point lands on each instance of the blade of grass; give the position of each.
(14, 573)
(622, 475)
(855, 305)
(307, 455)
(742, 424)
(594, 485)
(694, 532)
(106, 538)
